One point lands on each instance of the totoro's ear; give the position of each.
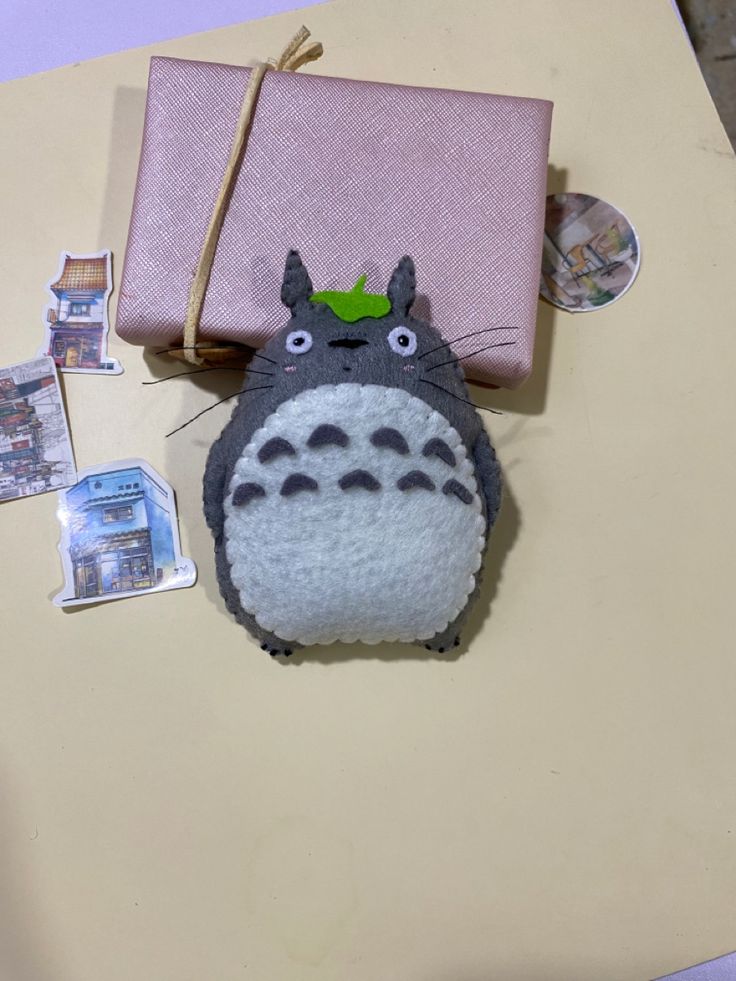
(297, 286)
(402, 287)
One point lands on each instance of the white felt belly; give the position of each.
(327, 564)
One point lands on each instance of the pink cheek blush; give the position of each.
(290, 367)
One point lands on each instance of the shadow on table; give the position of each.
(129, 111)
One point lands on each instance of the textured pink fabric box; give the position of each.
(354, 175)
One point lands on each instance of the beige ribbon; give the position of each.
(295, 54)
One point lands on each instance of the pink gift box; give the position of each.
(354, 175)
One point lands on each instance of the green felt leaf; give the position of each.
(355, 304)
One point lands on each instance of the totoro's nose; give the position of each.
(349, 342)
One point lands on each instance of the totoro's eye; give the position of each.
(403, 341)
(298, 342)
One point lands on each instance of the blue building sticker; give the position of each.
(76, 319)
(120, 535)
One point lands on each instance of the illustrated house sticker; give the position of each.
(21, 455)
(77, 324)
(35, 451)
(120, 535)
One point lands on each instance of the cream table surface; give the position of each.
(557, 803)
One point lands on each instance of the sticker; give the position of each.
(119, 535)
(35, 449)
(76, 320)
(591, 253)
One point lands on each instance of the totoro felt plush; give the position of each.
(352, 492)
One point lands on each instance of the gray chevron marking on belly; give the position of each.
(439, 448)
(391, 439)
(272, 449)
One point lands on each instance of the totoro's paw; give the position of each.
(277, 651)
(276, 646)
(441, 645)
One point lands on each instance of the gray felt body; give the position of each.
(328, 368)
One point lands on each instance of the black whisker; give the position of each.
(496, 412)
(270, 360)
(486, 330)
(227, 398)
(199, 371)
(472, 354)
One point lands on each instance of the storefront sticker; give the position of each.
(75, 320)
(120, 535)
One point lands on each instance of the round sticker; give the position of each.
(590, 255)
